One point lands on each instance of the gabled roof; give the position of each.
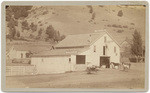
(80, 39)
(83, 39)
(60, 52)
(32, 48)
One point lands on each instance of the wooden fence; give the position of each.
(20, 70)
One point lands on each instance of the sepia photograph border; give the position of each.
(44, 3)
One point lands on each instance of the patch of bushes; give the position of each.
(39, 22)
(134, 60)
(125, 26)
(25, 25)
(114, 25)
(93, 16)
(108, 25)
(53, 12)
(132, 24)
(33, 27)
(120, 13)
(45, 12)
(91, 8)
(113, 10)
(100, 5)
(120, 31)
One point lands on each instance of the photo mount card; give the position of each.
(74, 46)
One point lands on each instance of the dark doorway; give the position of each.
(105, 61)
(80, 59)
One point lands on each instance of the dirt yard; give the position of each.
(105, 78)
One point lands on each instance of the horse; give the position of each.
(126, 66)
(113, 64)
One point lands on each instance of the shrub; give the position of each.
(101, 6)
(114, 25)
(91, 8)
(125, 26)
(109, 25)
(120, 31)
(93, 16)
(39, 22)
(113, 10)
(33, 27)
(120, 13)
(132, 23)
(25, 25)
(45, 12)
(119, 26)
(133, 59)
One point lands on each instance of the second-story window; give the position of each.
(94, 48)
(21, 55)
(69, 59)
(104, 50)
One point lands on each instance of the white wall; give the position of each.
(16, 54)
(94, 57)
(55, 64)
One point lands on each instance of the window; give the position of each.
(94, 48)
(103, 50)
(69, 59)
(105, 39)
(80, 59)
(114, 49)
(21, 55)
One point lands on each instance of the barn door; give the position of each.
(105, 61)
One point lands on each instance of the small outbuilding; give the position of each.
(75, 52)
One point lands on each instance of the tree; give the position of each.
(33, 27)
(136, 46)
(62, 37)
(17, 11)
(93, 16)
(25, 25)
(12, 32)
(40, 32)
(18, 34)
(50, 32)
(57, 36)
(120, 13)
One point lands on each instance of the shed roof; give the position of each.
(60, 52)
(80, 39)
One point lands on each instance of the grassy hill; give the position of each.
(86, 19)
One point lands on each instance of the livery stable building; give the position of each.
(76, 51)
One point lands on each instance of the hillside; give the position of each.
(85, 19)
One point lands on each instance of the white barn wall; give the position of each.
(94, 57)
(48, 65)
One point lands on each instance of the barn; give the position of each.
(76, 51)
